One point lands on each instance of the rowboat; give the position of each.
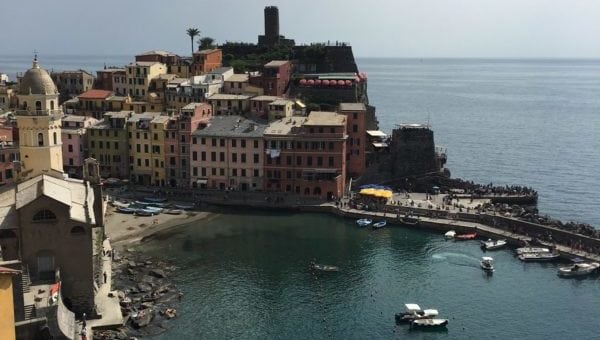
(380, 224)
(143, 212)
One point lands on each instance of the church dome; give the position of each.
(37, 81)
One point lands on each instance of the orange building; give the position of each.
(206, 60)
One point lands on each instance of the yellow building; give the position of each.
(146, 147)
(7, 314)
(140, 74)
(280, 108)
(39, 122)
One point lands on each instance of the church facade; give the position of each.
(51, 223)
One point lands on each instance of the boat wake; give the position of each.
(457, 259)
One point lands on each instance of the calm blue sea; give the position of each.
(527, 122)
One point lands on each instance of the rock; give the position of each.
(147, 279)
(159, 273)
(144, 287)
(131, 264)
(148, 263)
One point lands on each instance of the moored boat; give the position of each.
(408, 220)
(173, 211)
(528, 250)
(464, 237)
(579, 269)
(413, 312)
(154, 210)
(380, 224)
(155, 199)
(363, 222)
(532, 257)
(487, 264)
(184, 206)
(493, 244)
(450, 234)
(143, 212)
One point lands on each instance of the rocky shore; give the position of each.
(148, 297)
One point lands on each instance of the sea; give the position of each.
(526, 122)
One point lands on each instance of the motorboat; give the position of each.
(529, 250)
(363, 222)
(414, 312)
(125, 210)
(487, 264)
(545, 256)
(429, 323)
(408, 220)
(324, 267)
(464, 237)
(579, 269)
(380, 224)
(493, 244)
(450, 234)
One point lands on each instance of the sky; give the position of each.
(375, 28)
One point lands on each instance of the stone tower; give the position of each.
(271, 25)
(39, 122)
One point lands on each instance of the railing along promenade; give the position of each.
(516, 231)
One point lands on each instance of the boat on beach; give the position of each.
(155, 199)
(414, 312)
(154, 210)
(493, 244)
(464, 237)
(538, 257)
(143, 212)
(363, 222)
(487, 264)
(183, 206)
(380, 224)
(125, 210)
(579, 269)
(173, 211)
(529, 250)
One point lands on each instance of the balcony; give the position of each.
(56, 114)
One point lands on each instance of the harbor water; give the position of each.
(246, 276)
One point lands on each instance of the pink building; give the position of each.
(178, 138)
(74, 143)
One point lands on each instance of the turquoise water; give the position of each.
(246, 276)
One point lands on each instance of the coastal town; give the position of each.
(89, 163)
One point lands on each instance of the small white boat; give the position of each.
(413, 312)
(528, 250)
(143, 212)
(324, 267)
(531, 257)
(155, 199)
(429, 323)
(578, 269)
(493, 244)
(363, 222)
(487, 264)
(450, 234)
(154, 210)
(173, 211)
(125, 210)
(380, 224)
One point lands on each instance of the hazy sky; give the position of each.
(375, 28)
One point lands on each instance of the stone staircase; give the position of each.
(25, 279)
(30, 312)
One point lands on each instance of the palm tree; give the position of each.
(192, 32)
(206, 42)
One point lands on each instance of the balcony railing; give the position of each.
(53, 113)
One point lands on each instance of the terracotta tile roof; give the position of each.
(95, 94)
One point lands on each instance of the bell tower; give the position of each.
(39, 122)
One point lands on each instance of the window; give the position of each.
(256, 157)
(203, 141)
(256, 173)
(319, 161)
(138, 148)
(243, 142)
(354, 128)
(234, 143)
(172, 160)
(221, 172)
(116, 145)
(243, 172)
(309, 160)
(147, 162)
(256, 144)
(330, 145)
(234, 172)
(243, 157)
(40, 139)
(194, 156)
(70, 147)
(288, 160)
(234, 157)
(213, 171)
(214, 142)
(222, 156)
(330, 161)
(203, 172)
(77, 231)
(202, 155)
(221, 142)
(44, 215)
(213, 156)
(298, 160)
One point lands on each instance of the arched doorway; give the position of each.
(9, 245)
(38, 105)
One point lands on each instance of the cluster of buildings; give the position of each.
(171, 121)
